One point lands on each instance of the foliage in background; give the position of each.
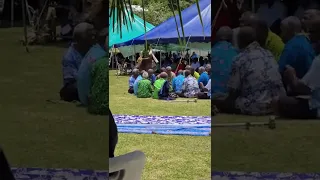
(158, 10)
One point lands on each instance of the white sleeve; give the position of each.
(208, 86)
(311, 78)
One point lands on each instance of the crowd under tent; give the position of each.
(165, 36)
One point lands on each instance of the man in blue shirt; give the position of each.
(204, 77)
(84, 78)
(307, 104)
(177, 82)
(298, 51)
(135, 84)
(83, 39)
(132, 79)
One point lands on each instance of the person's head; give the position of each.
(208, 69)
(192, 70)
(180, 72)
(188, 67)
(145, 75)
(246, 18)
(141, 72)
(262, 30)
(163, 75)
(201, 70)
(224, 34)
(163, 69)
(135, 73)
(168, 69)
(307, 18)
(290, 26)
(150, 72)
(314, 31)
(84, 36)
(102, 37)
(195, 60)
(246, 36)
(187, 73)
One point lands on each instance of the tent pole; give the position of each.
(24, 24)
(12, 13)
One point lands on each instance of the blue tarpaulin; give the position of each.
(166, 32)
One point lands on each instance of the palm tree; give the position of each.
(121, 10)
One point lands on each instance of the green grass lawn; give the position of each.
(33, 132)
(168, 157)
(293, 146)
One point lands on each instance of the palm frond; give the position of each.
(122, 14)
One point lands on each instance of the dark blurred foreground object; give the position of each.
(5, 170)
(113, 135)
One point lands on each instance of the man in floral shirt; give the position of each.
(190, 87)
(255, 80)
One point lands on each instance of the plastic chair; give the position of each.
(127, 167)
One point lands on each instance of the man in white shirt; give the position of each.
(206, 91)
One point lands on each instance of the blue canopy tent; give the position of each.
(128, 33)
(166, 32)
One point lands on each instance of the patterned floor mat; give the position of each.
(263, 176)
(58, 174)
(166, 125)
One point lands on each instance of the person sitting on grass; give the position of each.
(254, 82)
(158, 84)
(195, 63)
(171, 74)
(163, 69)
(307, 105)
(132, 79)
(144, 87)
(204, 77)
(298, 51)
(99, 92)
(194, 73)
(205, 91)
(190, 87)
(265, 37)
(177, 82)
(208, 69)
(223, 53)
(135, 84)
(82, 42)
(152, 76)
(308, 16)
(97, 51)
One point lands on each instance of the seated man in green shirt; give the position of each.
(144, 87)
(158, 84)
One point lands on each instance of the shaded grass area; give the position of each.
(169, 157)
(292, 147)
(34, 132)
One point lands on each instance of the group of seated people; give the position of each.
(85, 69)
(264, 73)
(186, 83)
